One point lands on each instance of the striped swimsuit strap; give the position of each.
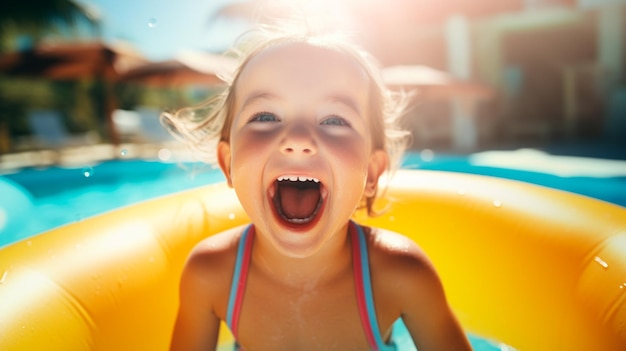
(240, 275)
(361, 272)
(363, 287)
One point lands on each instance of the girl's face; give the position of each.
(300, 153)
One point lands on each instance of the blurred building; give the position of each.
(557, 66)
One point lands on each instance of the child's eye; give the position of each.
(335, 121)
(264, 117)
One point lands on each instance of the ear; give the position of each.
(377, 165)
(223, 159)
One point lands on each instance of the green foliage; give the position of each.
(38, 18)
(17, 96)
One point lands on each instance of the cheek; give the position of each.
(353, 151)
(249, 155)
(251, 146)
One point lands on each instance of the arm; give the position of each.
(425, 311)
(197, 325)
(428, 316)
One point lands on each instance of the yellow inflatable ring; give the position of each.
(535, 268)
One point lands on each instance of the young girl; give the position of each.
(303, 133)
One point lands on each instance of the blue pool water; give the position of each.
(42, 199)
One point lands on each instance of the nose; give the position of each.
(298, 141)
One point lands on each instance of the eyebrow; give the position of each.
(343, 99)
(260, 95)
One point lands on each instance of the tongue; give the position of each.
(299, 201)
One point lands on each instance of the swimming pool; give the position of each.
(56, 196)
(34, 200)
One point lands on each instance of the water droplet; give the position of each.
(152, 23)
(87, 172)
(4, 277)
(427, 155)
(164, 154)
(601, 262)
(231, 216)
(124, 152)
(497, 203)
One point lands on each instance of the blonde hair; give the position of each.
(203, 126)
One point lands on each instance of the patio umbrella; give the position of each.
(75, 61)
(187, 68)
(71, 61)
(432, 83)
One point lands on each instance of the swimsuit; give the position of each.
(360, 266)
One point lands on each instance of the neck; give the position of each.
(328, 263)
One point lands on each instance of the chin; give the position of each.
(301, 241)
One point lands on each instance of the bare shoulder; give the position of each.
(218, 243)
(215, 251)
(396, 250)
(402, 266)
(208, 270)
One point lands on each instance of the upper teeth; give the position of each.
(298, 179)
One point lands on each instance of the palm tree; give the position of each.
(38, 18)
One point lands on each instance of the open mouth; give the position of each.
(297, 199)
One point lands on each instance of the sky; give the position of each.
(160, 29)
